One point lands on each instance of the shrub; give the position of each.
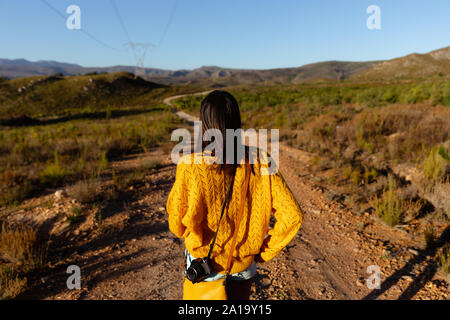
(347, 172)
(53, 175)
(389, 208)
(91, 192)
(20, 247)
(370, 175)
(435, 164)
(85, 191)
(103, 161)
(356, 177)
(75, 216)
(444, 259)
(430, 237)
(10, 286)
(20, 254)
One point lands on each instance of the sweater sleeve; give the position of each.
(177, 203)
(288, 217)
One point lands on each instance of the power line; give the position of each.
(140, 49)
(119, 17)
(124, 28)
(82, 30)
(169, 22)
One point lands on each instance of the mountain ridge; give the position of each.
(414, 65)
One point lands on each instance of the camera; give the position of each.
(198, 270)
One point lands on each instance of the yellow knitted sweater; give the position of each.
(196, 200)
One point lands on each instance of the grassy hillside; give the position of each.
(59, 130)
(206, 76)
(58, 95)
(435, 64)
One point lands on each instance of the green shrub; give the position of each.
(435, 164)
(370, 175)
(444, 259)
(53, 175)
(103, 161)
(76, 215)
(389, 208)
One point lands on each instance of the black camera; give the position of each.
(198, 270)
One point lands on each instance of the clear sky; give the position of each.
(251, 34)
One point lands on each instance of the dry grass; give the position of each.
(11, 287)
(20, 254)
(91, 192)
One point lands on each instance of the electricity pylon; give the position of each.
(139, 52)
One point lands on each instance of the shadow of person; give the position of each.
(420, 280)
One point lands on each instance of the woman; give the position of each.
(199, 193)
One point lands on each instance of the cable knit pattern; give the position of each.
(196, 199)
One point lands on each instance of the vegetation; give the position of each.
(20, 255)
(324, 94)
(389, 208)
(444, 259)
(361, 129)
(99, 118)
(75, 215)
(436, 163)
(37, 157)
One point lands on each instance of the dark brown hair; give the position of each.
(220, 110)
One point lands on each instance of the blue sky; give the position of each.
(251, 34)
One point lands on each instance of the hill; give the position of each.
(435, 63)
(58, 95)
(208, 74)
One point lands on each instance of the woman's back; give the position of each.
(195, 203)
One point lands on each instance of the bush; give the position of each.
(20, 254)
(75, 216)
(53, 175)
(389, 208)
(86, 192)
(10, 286)
(430, 237)
(444, 259)
(435, 165)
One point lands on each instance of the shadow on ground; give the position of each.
(419, 280)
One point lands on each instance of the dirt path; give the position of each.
(136, 257)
